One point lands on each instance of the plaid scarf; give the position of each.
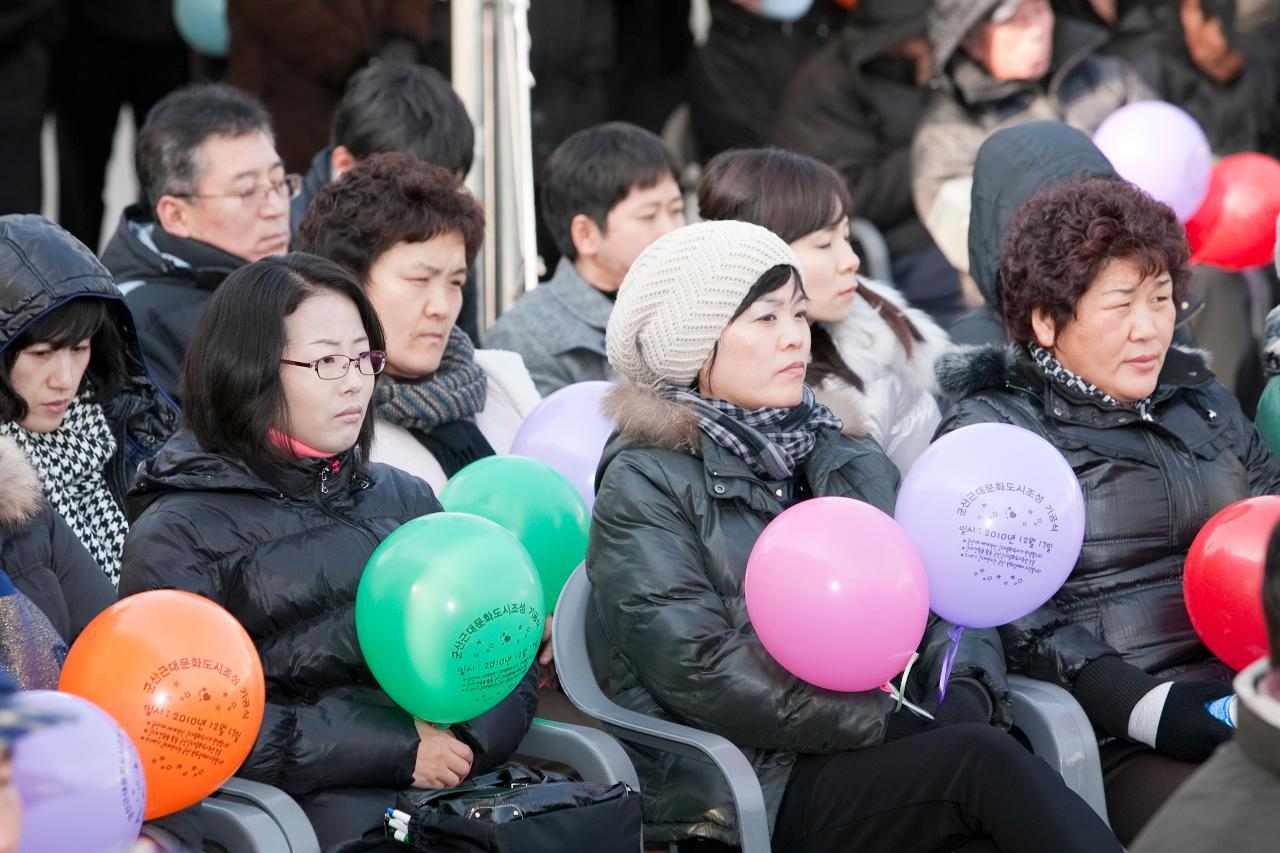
(1055, 372)
(771, 441)
(70, 462)
(455, 392)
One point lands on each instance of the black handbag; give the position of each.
(519, 809)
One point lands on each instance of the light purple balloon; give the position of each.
(80, 779)
(1162, 149)
(568, 431)
(998, 518)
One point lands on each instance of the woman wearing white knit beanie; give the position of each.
(717, 434)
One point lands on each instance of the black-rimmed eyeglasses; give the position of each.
(369, 363)
(287, 187)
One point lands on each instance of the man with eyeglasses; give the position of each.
(215, 197)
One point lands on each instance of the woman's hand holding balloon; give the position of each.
(443, 761)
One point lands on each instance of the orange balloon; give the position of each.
(182, 678)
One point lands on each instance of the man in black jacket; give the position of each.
(215, 197)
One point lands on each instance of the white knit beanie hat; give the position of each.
(680, 294)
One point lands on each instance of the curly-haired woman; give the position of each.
(1091, 272)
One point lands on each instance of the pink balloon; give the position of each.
(998, 518)
(837, 594)
(568, 431)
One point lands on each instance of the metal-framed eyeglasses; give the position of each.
(369, 363)
(286, 188)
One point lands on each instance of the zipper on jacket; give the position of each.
(322, 485)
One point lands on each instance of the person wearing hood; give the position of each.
(75, 396)
(409, 231)
(265, 503)
(216, 197)
(1090, 275)
(873, 354)
(1233, 801)
(1001, 63)
(718, 434)
(855, 105)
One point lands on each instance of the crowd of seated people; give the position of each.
(265, 375)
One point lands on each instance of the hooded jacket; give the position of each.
(674, 522)
(1233, 801)
(857, 111)
(167, 280)
(285, 557)
(1081, 89)
(42, 557)
(1149, 486)
(41, 268)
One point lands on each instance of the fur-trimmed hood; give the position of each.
(647, 418)
(970, 369)
(21, 494)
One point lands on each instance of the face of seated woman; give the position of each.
(416, 288)
(1121, 331)
(47, 378)
(325, 414)
(761, 357)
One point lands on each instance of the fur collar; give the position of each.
(968, 369)
(21, 495)
(647, 418)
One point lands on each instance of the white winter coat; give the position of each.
(510, 398)
(897, 407)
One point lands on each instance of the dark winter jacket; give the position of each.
(856, 110)
(674, 523)
(1012, 165)
(1081, 89)
(42, 557)
(296, 55)
(41, 268)
(1148, 487)
(285, 557)
(167, 280)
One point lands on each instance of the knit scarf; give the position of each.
(439, 411)
(771, 441)
(70, 462)
(1055, 372)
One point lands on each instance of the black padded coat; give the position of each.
(285, 557)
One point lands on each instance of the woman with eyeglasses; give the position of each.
(410, 231)
(266, 503)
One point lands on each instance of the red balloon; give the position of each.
(1222, 580)
(1235, 227)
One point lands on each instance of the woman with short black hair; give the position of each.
(1091, 272)
(74, 392)
(266, 504)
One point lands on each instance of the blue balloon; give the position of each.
(203, 25)
(785, 10)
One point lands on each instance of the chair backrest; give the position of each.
(581, 649)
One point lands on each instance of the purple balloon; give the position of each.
(998, 517)
(79, 779)
(1162, 149)
(568, 431)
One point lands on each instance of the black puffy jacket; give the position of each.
(285, 558)
(41, 268)
(674, 523)
(1148, 487)
(42, 557)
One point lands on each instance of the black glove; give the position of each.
(1187, 731)
(966, 702)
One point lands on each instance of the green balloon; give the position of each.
(449, 616)
(535, 502)
(1268, 419)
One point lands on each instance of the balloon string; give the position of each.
(949, 661)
